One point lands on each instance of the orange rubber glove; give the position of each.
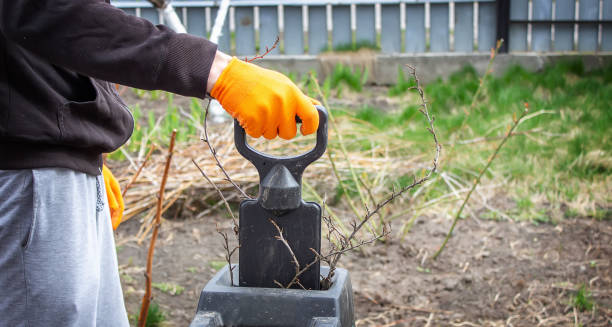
(113, 194)
(263, 101)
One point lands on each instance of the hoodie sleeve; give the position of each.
(96, 39)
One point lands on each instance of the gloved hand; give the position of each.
(113, 194)
(263, 101)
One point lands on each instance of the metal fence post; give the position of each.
(503, 23)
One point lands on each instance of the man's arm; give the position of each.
(98, 40)
(95, 39)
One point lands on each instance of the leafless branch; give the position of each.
(515, 122)
(146, 299)
(281, 238)
(213, 151)
(340, 242)
(228, 253)
(129, 184)
(227, 206)
(268, 50)
(346, 242)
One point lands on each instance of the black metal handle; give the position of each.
(296, 164)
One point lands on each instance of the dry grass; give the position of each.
(378, 165)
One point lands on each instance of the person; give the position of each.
(59, 114)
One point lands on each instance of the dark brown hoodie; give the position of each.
(57, 57)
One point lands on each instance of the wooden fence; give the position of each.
(409, 26)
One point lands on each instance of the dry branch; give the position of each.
(227, 206)
(494, 52)
(266, 52)
(341, 242)
(228, 252)
(346, 242)
(213, 151)
(508, 134)
(146, 299)
(281, 238)
(129, 184)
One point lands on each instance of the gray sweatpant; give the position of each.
(58, 265)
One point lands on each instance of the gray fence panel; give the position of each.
(487, 19)
(245, 31)
(587, 33)
(464, 27)
(294, 35)
(131, 11)
(366, 30)
(391, 33)
(606, 38)
(415, 28)
(564, 33)
(317, 29)
(518, 32)
(439, 39)
(224, 39)
(196, 21)
(341, 29)
(268, 28)
(541, 33)
(150, 14)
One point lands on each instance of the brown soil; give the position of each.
(491, 274)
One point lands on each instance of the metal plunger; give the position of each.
(265, 261)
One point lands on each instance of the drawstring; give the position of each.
(99, 201)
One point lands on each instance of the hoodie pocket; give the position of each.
(102, 124)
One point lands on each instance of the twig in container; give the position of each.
(214, 154)
(227, 206)
(129, 184)
(346, 242)
(228, 254)
(268, 50)
(328, 258)
(332, 121)
(298, 273)
(516, 122)
(146, 299)
(325, 206)
(281, 238)
(425, 111)
(368, 189)
(215, 206)
(345, 193)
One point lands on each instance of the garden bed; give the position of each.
(532, 247)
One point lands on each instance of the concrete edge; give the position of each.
(383, 68)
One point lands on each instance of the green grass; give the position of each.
(169, 288)
(354, 78)
(561, 152)
(156, 129)
(350, 47)
(582, 300)
(155, 317)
